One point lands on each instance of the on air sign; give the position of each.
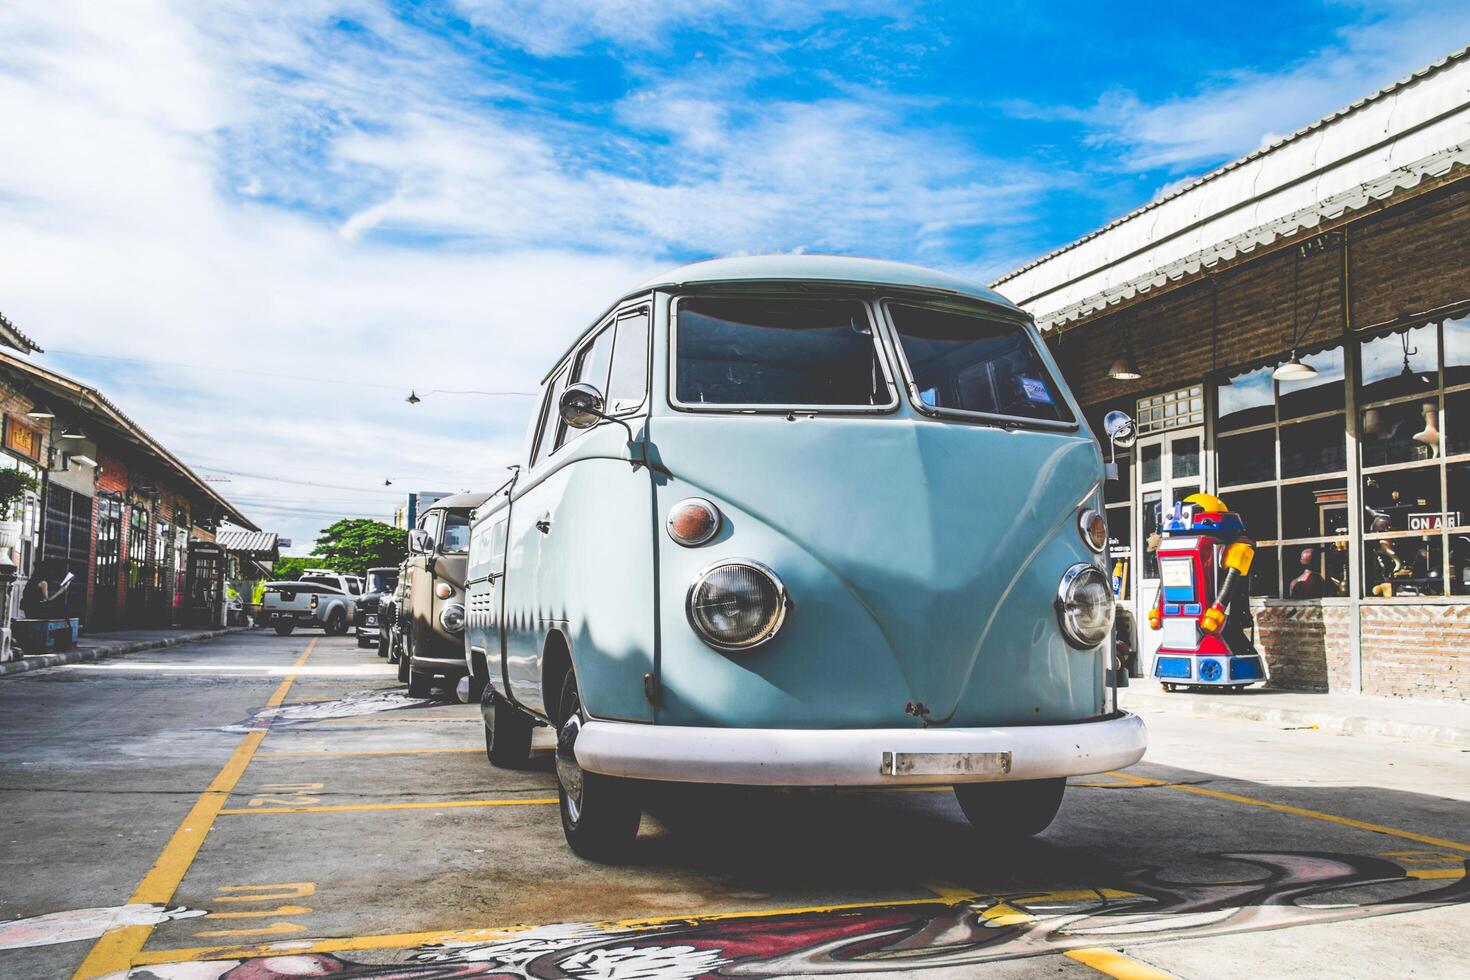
(1432, 522)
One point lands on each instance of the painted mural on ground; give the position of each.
(69, 927)
(1268, 890)
(348, 706)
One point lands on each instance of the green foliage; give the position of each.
(290, 569)
(356, 544)
(13, 486)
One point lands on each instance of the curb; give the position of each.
(43, 660)
(1326, 721)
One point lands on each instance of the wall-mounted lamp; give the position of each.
(73, 432)
(41, 411)
(84, 459)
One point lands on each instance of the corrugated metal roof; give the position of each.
(11, 336)
(1331, 117)
(1333, 207)
(247, 541)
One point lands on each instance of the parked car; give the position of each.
(388, 611)
(802, 521)
(376, 584)
(320, 598)
(431, 616)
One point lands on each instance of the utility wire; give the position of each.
(285, 377)
(303, 483)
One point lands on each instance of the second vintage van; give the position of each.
(801, 521)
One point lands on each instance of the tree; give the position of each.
(355, 544)
(290, 569)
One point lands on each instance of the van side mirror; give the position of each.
(1121, 432)
(581, 405)
(1120, 429)
(419, 541)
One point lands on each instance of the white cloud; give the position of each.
(566, 26)
(1236, 112)
(259, 188)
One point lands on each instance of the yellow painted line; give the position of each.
(1297, 811)
(1001, 914)
(1435, 873)
(115, 949)
(351, 807)
(1115, 964)
(404, 940)
(332, 755)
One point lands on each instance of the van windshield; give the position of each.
(963, 362)
(778, 352)
(456, 535)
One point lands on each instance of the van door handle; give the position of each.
(544, 525)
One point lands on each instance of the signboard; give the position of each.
(22, 438)
(1433, 521)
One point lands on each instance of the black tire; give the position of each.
(382, 643)
(404, 660)
(363, 641)
(507, 733)
(420, 685)
(599, 814)
(1014, 809)
(476, 690)
(285, 629)
(336, 624)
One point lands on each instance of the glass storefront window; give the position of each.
(1246, 458)
(1454, 425)
(1405, 432)
(1309, 448)
(1403, 566)
(1315, 571)
(1185, 456)
(1150, 463)
(1402, 500)
(1457, 352)
(1245, 400)
(1265, 579)
(1405, 362)
(1257, 510)
(1324, 393)
(1314, 510)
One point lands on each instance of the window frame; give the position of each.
(964, 415)
(706, 408)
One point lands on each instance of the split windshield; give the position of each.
(456, 533)
(778, 353)
(962, 362)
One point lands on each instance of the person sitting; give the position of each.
(44, 595)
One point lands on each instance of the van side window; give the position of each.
(590, 365)
(629, 381)
(550, 418)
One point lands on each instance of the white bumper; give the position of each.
(859, 757)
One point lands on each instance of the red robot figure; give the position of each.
(1204, 605)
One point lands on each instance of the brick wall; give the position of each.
(1305, 644)
(1416, 650)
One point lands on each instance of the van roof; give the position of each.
(822, 268)
(460, 501)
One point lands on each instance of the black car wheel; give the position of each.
(382, 643)
(1017, 809)
(599, 814)
(285, 629)
(420, 685)
(336, 623)
(403, 659)
(507, 733)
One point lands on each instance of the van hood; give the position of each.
(945, 534)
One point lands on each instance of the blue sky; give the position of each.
(316, 206)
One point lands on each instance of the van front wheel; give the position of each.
(1014, 809)
(599, 814)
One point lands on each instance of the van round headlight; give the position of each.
(451, 617)
(736, 605)
(1085, 606)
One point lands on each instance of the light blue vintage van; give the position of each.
(801, 521)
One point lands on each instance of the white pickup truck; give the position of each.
(319, 598)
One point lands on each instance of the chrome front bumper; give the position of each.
(859, 757)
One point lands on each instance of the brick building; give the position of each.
(1344, 246)
(121, 513)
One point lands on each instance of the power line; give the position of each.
(303, 483)
(285, 377)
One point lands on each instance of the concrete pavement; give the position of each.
(276, 807)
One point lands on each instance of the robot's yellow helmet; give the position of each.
(1207, 503)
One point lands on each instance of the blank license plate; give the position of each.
(945, 764)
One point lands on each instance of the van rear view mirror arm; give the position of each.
(581, 407)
